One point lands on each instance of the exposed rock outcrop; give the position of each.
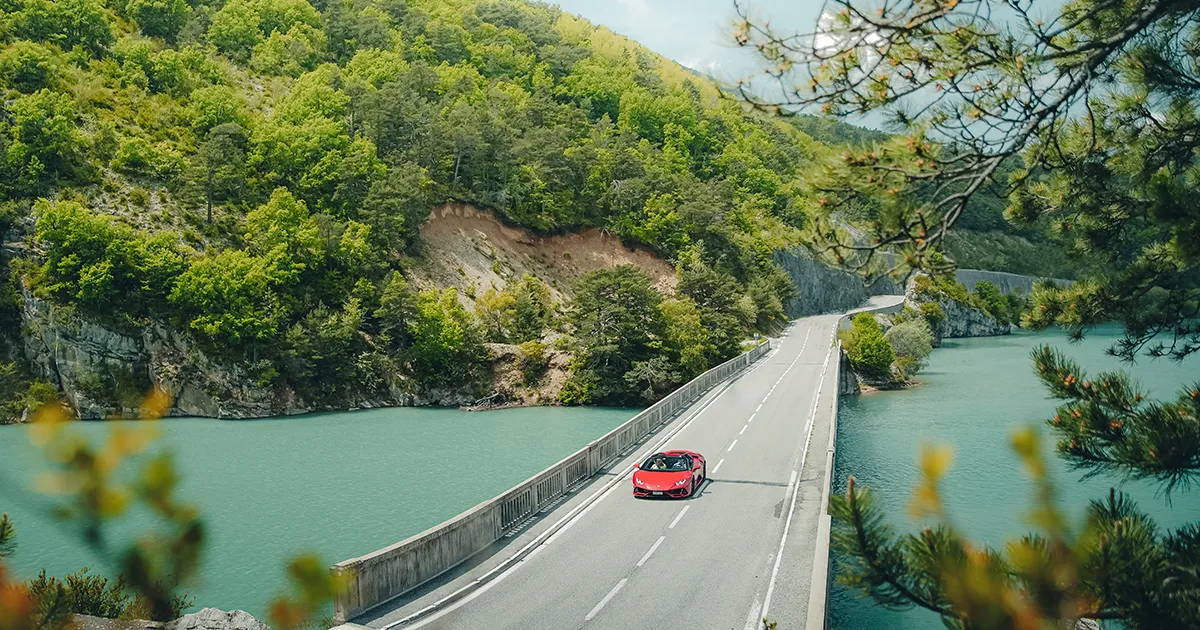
(820, 289)
(962, 320)
(88, 361)
(512, 388)
(847, 380)
(205, 619)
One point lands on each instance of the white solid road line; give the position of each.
(681, 513)
(795, 488)
(607, 598)
(718, 466)
(652, 548)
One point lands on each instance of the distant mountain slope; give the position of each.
(251, 174)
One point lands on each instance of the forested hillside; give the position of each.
(254, 172)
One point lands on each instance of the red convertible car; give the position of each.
(673, 474)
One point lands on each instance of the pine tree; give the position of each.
(1088, 120)
(7, 534)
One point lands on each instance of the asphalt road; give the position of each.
(711, 561)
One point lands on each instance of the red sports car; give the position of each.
(675, 474)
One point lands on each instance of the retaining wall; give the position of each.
(381, 576)
(1007, 282)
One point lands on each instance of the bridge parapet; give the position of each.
(819, 591)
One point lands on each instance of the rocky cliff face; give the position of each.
(204, 619)
(820, 289)
(962, 320)
(847, 379)
(92, 364)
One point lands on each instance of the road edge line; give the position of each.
(812, 421)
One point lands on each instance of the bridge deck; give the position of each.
(704, 562)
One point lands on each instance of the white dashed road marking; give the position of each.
(607, 598)
(681, 513)
(652, 548)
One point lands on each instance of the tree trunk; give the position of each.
(208, 193)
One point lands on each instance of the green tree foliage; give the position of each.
(519, 313)
(158, 18)
(686, 336)
(933, 313)
(397, 308)
(20, 393)
(496, 311)
(617, 325)
(245, 169)
(533, 309)
(8, 533)
(715, 295)
(97, 263)
(29, 66)
(912, 342)
(447, 348)
(68, 23)
(42, 141)
(1091, 111)
(869, 351)
(1007, 308)
(321, 350)
(222, 159)
(233, 297)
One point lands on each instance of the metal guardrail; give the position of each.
(381, 576)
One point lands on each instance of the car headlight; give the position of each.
(681, 482)
(638, 481)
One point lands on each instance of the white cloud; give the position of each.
(639, 10)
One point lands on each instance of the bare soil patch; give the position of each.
(471, 250)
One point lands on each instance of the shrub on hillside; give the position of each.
(932, 288)
(532, 361)
(988, 298)
(933, 313)
(85, 593)
(519, 313)
(19, 392)
(912, 342)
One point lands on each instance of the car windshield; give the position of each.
(667, 463)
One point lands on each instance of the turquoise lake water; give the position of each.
(976, 392)
(339, 485)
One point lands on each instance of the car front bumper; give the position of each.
(673, 493)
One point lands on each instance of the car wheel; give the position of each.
(704, 472)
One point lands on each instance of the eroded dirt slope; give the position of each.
(472, 250)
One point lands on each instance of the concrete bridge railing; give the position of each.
(383, 575)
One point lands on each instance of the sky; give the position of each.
(695, 33)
